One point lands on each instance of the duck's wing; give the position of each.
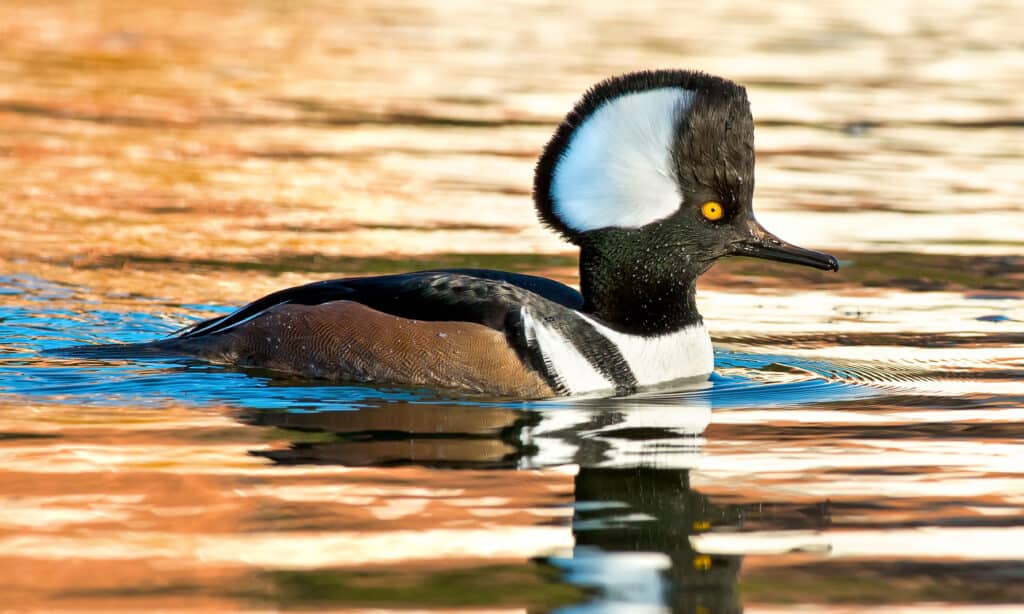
(503, 333)
(465, 295)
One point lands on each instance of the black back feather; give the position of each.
(464, 295)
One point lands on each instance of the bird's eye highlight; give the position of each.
(712, 211)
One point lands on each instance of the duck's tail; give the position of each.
(162, 348)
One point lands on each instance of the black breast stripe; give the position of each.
(530, 352)
(595, 348)
(601, 353)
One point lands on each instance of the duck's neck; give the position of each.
(633, 288)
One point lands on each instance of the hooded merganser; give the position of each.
(651, 175)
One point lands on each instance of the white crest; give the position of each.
(617, 168)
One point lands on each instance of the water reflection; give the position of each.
(633, 529)
(403, 433)
(820, 462)
(634, 511)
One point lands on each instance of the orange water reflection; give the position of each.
(147, 169)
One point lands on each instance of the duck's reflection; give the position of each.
(634, 510)
(402, 433)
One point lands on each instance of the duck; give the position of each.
(650, 175)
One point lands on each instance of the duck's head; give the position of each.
(652, 175)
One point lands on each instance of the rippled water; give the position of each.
(859, 447)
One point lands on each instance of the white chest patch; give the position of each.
(685, 354)
(617, 168)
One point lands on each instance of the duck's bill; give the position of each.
(770, 247)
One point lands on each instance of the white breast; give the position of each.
(685, 354)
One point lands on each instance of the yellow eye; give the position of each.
(712, 210)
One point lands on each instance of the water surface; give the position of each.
(858, 448)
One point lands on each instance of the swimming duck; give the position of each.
(650, 175)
